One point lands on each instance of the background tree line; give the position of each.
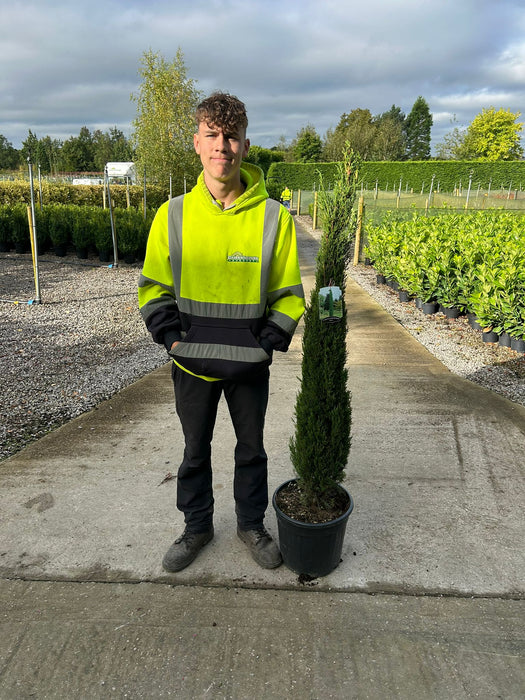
(87, 152)
(162, 135)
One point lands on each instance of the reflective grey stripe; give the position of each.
(236, 311)
(210, 310)
(297, 290)
(152, 305)
(144, 281)
(175, 239)
(283, 321)
(271, 222)
(204, 351)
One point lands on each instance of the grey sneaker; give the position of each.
(184, 550)
(262, 547)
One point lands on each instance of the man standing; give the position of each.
(286, 197)
(221, 290)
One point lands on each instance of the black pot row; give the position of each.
(431, 307)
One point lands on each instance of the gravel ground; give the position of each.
(86, 341)
(60, 358)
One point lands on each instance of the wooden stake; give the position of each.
(360, 216)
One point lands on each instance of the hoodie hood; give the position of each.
(251, 175)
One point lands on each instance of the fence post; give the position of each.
(298, 202)
(314, 222)
(40, 188)
(359, 228)
(112, 221)
(32, 231)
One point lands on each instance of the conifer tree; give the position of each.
(418, 125)
(320, 446)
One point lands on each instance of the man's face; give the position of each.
(221, 152)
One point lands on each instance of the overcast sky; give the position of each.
(69, 63)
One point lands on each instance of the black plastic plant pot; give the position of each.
(517, 344)
(311, 549)
(504, 340)
(490, 337)
(430, 307)
(451, 311)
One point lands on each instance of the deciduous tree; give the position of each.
(163, 129)
(357, 129)
(494, 135)
(10, 158)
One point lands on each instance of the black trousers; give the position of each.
(196, 402)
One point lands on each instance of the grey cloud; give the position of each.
(293, 63)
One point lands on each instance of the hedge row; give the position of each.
(61, 227)
(473, 261)
(416, 175)
(18, 192)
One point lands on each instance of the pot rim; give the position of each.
(302, 523)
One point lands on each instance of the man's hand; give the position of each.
(174, 345)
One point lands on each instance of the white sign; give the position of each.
(121, 170)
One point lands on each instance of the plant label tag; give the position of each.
(330, 304)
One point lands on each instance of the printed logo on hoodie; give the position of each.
(239, 257)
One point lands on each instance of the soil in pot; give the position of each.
(290, 502)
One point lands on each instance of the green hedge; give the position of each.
(62, 227)
(473, 261)
(18, 191)
(414, 174)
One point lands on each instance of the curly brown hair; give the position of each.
(223, 110)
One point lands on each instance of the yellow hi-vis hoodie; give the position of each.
(225, 282)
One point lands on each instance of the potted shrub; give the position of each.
(127, 234)
(5, 230)
(102, 233)
(59, 228)
(312, 509)
(20, 228)
(81, 233)
(42, 229)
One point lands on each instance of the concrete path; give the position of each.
(436, 472)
